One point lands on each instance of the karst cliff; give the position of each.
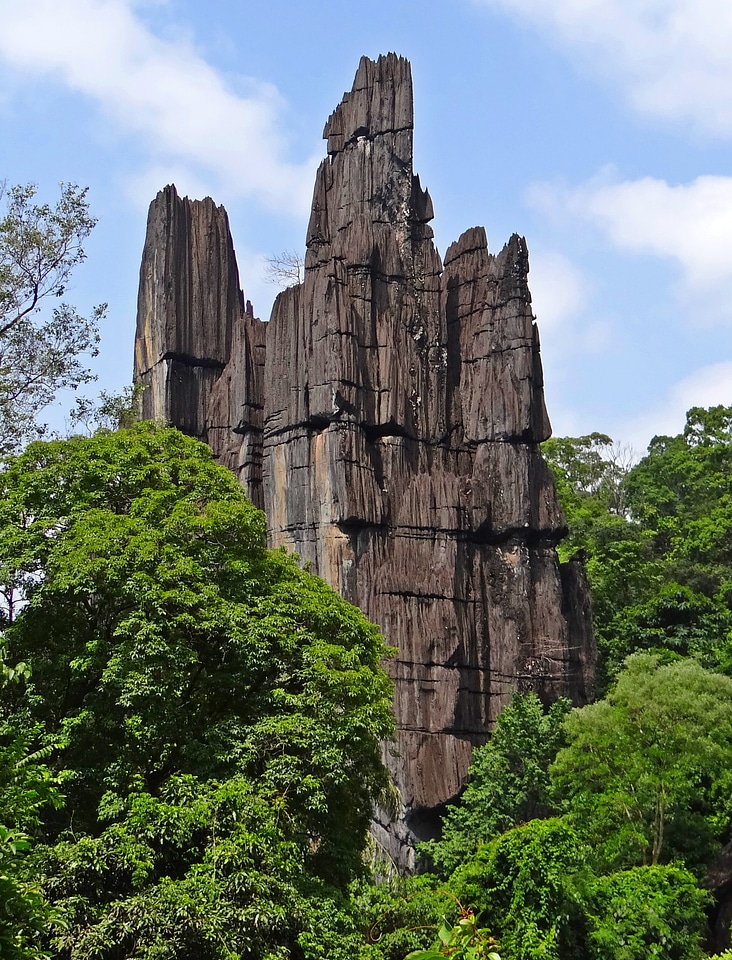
(388, 419)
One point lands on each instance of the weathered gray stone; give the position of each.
(199, 351)
(402, 414)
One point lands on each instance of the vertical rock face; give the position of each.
(199, 351)
(403, 408)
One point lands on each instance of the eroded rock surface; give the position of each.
(402, 407)
(199, 350)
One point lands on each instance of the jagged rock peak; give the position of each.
(380, 103)
(199, 350)
(397, 419)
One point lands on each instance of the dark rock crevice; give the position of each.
(388, 419)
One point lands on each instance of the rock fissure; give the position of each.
(394, 410)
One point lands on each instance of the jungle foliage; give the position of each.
(220, 711)
(588, 833)
(657, 537)
(191, 726)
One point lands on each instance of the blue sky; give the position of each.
(598, 129)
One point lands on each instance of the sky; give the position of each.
(598, 129)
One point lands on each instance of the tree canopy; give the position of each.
(657, 537)
(508, 782)
(642, 768)
(221, 709)
(40, 352)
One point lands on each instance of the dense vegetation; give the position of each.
(191, 724)
(189, 750)
(588, 833)
(214, 712)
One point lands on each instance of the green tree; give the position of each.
(675, 620)
(642, 768)
(590, 472)
(401, 914)
(508, 780)
(222, 708)
(656, 537)
(537, 892)
(465, 940)
(26, 787)
(40, 245)
(523, 885)
(681, 492)
(655, 911)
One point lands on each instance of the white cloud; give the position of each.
(561, 294)
(161, 90)
(670, 57)
(690, 224)
(706, 387)
(558, 288)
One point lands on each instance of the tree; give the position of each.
(40, 246)
(222, 708)
(676, 620)
(524, 888)
(682, 493)
(655, 911)
(401, 914)
(589, 468)
(285, 269)
(642, 770)
(465, 940)
(508, 780)
(661, 567)
(110, 411)
(26, 787)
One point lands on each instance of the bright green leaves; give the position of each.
(657, 538)
(223, 710)
(508, 782)
(522, 883)
(642, 780)
(639, 771)
(27, 788)
(646, 912)
(463, 941)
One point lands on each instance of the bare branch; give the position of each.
(285, 269)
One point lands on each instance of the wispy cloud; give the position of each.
(688, 224)
(670, 57)
(559, 290)
(562, 298)
(705, 387)
(162, 91)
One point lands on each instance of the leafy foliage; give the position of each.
(40, 246)
(641, 768)
(463, 941)
(210, 870)
(522, 884)
(590, 473)
(26, 787)
(655, 911)
(657, 538)
(400, 915)
(203, 685)
(508, 782)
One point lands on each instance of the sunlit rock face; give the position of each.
(199, 351)
(388, 418)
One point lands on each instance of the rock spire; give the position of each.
(388, 418)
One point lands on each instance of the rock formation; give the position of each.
(199, 351)
(388, 418)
